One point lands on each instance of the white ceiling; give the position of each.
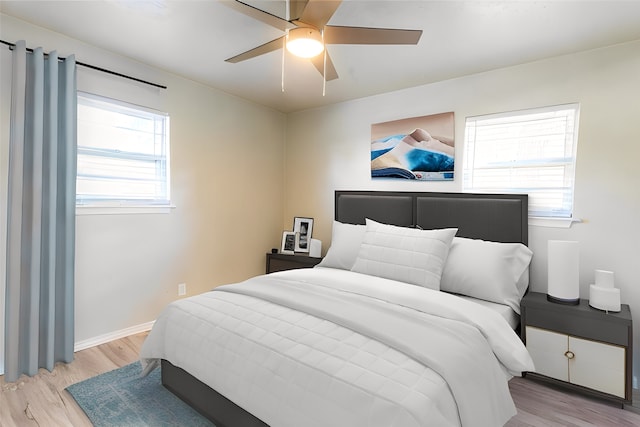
(193, 38)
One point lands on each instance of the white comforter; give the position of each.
(327, 347)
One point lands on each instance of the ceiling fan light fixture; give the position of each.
(305, 42)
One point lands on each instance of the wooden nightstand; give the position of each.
(579, 347)
(279, 262)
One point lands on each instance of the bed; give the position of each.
(408, 321)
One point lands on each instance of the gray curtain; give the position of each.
(39, 311)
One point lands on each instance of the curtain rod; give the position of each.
(93, 67)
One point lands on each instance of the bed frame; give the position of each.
(495, 217)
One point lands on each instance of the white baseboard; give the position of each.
(111, 336)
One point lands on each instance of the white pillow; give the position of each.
(492, 271)
(408, 255)
(345, 244)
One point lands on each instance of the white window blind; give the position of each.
(531, 151)
(123, 154)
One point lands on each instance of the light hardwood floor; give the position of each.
(42, 400)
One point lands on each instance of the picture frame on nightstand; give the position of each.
(288, 243)
(303, 229)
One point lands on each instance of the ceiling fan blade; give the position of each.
(295, 8)
(260, 15)
(318, 12)
(260, 50)
(362, 35)
(318, 61)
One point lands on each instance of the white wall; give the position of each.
(329, 149)
(227, 159)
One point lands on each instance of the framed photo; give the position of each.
(303, 228)
(288, 242)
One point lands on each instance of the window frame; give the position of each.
(562, 217)
(110, 205)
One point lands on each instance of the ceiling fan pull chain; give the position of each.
(324, 71)
(284, 44)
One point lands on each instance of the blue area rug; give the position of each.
(123, 398)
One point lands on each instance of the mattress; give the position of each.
(320, 347)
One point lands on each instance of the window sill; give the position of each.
(123, 210)
(552, 222)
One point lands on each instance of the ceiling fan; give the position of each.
(307, 26)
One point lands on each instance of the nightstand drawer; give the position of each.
(547, 351)
(582, 362)
(597, 366)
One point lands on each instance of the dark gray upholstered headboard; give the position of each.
(495, 217)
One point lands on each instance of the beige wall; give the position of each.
(227, 159)
(328, 149)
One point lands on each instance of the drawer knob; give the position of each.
(569, 354)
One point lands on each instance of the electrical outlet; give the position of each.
(182, 289)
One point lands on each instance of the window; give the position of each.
(123, 154)
(531, 151)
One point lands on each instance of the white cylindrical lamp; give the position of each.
(563, 272)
